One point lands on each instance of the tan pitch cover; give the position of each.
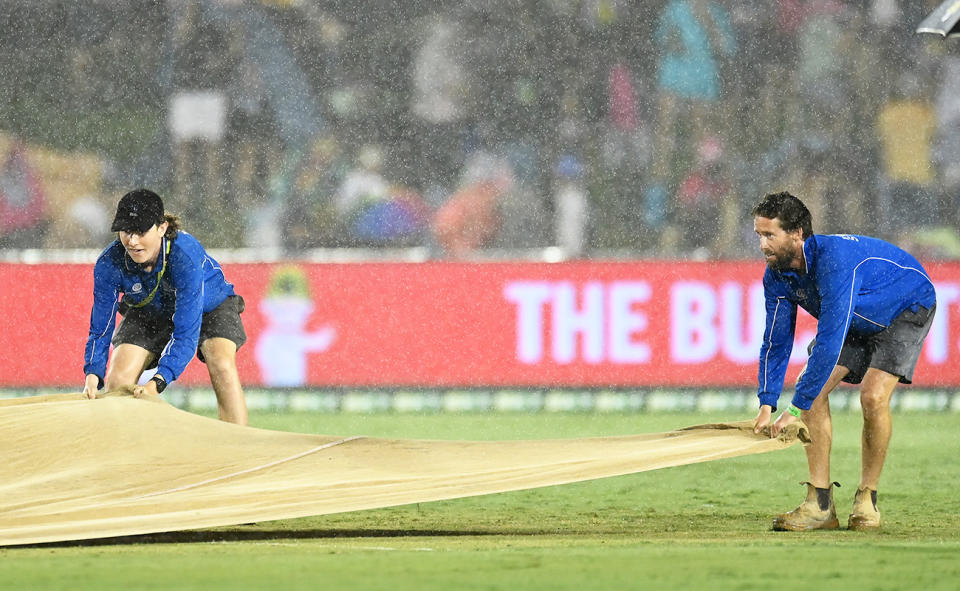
(78, 469)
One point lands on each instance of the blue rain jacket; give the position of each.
(192, 285)
(852, 284)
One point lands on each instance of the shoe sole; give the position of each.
(861, 524)
(783, 525)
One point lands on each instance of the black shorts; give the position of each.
(153, 332)
(894, 349)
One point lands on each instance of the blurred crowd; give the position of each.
(603, 127)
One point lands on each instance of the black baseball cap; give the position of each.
(138, 211)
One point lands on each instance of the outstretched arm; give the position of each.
(775, 351)
(103, 317)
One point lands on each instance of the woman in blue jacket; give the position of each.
(176, 302)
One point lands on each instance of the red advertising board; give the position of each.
(582, 324)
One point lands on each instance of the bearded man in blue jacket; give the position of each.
(176, 303)
(874, 304)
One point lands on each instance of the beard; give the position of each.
(782, 259)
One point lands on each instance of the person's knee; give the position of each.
(220, 355)
(117, 379)
(820, 404)
(874, 403)
(113, 382)
(876, 391)
(222, 366)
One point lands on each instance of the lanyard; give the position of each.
(153, 292)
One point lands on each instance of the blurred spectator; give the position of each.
(374, 212)
(508, 57)
(23, 211)
(947, 145)
(753, 91)
(92, 22)
(364, 182)
(440, 103)
(200, 64)
(625, 148)
(625, 134)
(571, 206)
(695, 39)
(905, 126)
(698, 213)
(89, 219)
(309, 216)
(628, 90)
(822, 78)
(470, 219)
(398, 220)
(249, 138)
(526, 208)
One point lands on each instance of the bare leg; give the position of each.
(818, 510)
(126, 365)
(221, 357)
(875, 396)
(820, 423)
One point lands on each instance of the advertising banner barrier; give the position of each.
(446, 324)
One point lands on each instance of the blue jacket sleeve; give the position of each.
(187, 279)
(777, 344)
(103, 317)
(838, 286)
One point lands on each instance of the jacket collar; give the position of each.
(810, 253)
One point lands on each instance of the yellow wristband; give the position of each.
(794, 411)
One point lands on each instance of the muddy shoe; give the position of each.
(865, 515)
(816, 512)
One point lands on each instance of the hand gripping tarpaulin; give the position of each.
(77, 469)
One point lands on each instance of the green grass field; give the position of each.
(705, 526)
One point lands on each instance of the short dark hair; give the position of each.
(791, 212)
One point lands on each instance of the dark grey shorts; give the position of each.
(152, 332)
(894, 349)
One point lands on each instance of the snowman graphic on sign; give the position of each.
(284, 344)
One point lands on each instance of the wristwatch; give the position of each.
(160, 382)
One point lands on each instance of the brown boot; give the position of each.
(865, 515)
(816, 512)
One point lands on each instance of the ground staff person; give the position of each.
(176, 302)
(874, 304)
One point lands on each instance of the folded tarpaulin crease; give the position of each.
(78, 469)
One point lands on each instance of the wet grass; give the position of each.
(704, 526)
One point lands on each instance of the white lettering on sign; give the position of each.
(594, 323)
(599, 322)
(706, 321)
(571, 322)
(530, 298)
(625, 321)
(693, 313)
(740, 337)
(936, 348)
